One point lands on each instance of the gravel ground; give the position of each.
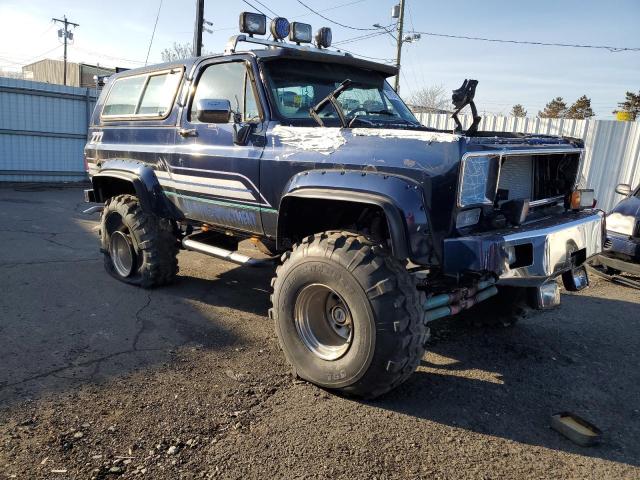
(103, 380)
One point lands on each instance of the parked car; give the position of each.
(379, 225)
(621, 252)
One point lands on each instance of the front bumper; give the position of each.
(529, 255)
(617, 244)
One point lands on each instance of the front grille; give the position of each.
(608, 244)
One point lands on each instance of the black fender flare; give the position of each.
(400, 199)
(144, 181)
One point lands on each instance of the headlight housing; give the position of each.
(623, 224)
(478, 180)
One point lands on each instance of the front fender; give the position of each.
(400, 198)
(144, 181)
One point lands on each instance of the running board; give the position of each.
(223, 254)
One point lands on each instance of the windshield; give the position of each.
(298, 85)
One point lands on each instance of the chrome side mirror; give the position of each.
(623, 189)
(213, 110)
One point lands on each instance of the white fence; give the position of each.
(612, 149)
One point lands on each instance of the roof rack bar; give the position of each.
(232, 45)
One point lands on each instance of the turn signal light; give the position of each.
(582, 199)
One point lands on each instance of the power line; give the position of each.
(332, 21)
(256, 8)
(524, 42)
(153, 33)
(331, 8)
(259, 2)
(359, 38)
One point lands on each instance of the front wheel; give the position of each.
(139, 248)
(348, 315)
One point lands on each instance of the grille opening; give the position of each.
(537, 177)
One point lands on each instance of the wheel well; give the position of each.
(300, 217)
(107, 187)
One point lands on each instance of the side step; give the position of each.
(224, 254)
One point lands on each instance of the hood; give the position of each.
(624, 216)
(413, 152)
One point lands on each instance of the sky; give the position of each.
(118, 33)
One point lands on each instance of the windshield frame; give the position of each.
(334, 121)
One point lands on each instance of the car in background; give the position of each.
(621, 251)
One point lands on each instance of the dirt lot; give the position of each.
(99, 379)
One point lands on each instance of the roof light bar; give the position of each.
(323, 37)
(253, 23)
(300, 32)
(280, 28)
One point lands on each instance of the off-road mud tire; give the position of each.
(153, 239)
(389, 331)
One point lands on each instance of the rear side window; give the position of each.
(123, 97)
(142, 96)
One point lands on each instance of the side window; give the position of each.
(157, 91)
(123, 97)
(157, 98)
(227, 81)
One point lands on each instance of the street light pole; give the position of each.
(400, 41)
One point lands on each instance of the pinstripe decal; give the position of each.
(222, 203)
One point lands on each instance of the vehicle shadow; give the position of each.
(65, 322)
(508, 382)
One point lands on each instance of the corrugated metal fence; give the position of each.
(612, 149)
(43, 129)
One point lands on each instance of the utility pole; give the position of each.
(67, 35)
(400, 41)
(197, 30)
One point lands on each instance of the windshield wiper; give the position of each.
(332, 98)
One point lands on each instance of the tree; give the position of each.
(518, 111)
(581, 109)
(556, 108)
(177, 52)
(434, 98)
(630, 105)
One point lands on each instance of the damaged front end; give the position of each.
(530, 223)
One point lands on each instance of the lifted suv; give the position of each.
(381, 225)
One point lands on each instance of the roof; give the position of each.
(275, 52)
(317, 55)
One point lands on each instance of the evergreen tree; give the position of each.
(581, 109)
(518, 111)
(556, 108)
(631, 105)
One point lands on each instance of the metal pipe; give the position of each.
(464, 304)
(444, 299)
(224, 254)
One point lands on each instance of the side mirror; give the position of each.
(213, 110)
(623, 189)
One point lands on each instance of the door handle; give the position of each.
(188, 132)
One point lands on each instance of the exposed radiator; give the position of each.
(516, 178)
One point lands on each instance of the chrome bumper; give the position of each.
(532, 254)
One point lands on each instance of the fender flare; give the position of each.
(400, 199)
(143, 179)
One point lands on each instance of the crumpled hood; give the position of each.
(384, 149)
(624, 215)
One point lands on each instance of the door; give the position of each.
(217, 181)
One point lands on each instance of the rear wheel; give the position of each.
(348, 315)
(139, 248)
